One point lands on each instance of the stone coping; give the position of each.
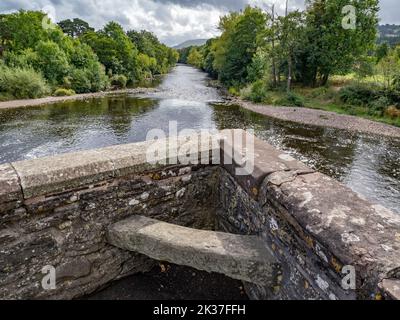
(51, 175)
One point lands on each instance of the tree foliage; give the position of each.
(75, 28)
(305, 47)
(195, 58)
(72, 55)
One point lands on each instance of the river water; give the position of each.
(367, 164)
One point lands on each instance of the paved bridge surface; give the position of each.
(239, 257)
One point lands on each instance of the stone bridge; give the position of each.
(286, 231)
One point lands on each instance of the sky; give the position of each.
(173, 21)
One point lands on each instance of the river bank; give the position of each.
(314, 117)
(321, 118)
(49, 100)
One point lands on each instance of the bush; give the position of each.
(62, 92)
(233, 91)
(392, 112)
(22, 83)
(378, 106)
(291, 99)
(357, 95)
(80, 82)
(119, 81)
(51, 61)
(96, 74)
(257, 92)
(375, 101)
(322, 92)
(93, 78)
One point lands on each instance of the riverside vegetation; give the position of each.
(306, 59)
(72, 57)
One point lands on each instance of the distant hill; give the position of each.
(191, 43)
(389, 33)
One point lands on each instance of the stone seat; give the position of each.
(240, 257)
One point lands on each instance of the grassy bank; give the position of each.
(349, 99)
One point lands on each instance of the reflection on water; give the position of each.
(367, 164)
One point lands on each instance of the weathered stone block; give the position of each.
(240, 257)
(250, 159)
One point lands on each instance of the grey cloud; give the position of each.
(173, 21)
(224, 4)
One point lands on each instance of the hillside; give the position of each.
(191, 43)
(389, 33)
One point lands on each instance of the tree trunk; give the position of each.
(274, 80)
(324, 79)
(289, 78)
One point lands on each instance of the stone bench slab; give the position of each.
(244, 258)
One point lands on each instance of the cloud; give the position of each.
(173, 21)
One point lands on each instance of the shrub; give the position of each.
(51, 61)
(22, 83)
(24, 59)
(323, 92)
(119, 81)
(357, 95)
(291, 99)
(392, 112)
(80, 82)
(96, 74)
(233, 91)
(378, 106)
(62, 92)
(257, 92)
(375, 101)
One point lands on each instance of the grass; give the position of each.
(328, 99)
(351, 78)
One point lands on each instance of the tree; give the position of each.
(389, 67)
(291, 39)
(148, 44)
(209, 56)
(114, 49)
(195, 58)
(243, 35)
(260, 67)
(75, 28)
(382, 51)
(329, 47)
(52, 61)
(23, 29)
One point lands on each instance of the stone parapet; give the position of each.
(55, 211)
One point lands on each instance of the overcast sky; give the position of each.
(173, 21)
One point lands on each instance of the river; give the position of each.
(367, 164)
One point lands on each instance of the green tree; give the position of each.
(260, 67)
(148, 44)
(24, 29)
(195, 58)
(331, 49)
(240, 44)
(209, 56)
(291, 39)
(114, 49)
(75, 28)
(389, 68)
(51, 61)
(382, 51)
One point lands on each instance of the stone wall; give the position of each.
(315, 225)
(55, 211)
